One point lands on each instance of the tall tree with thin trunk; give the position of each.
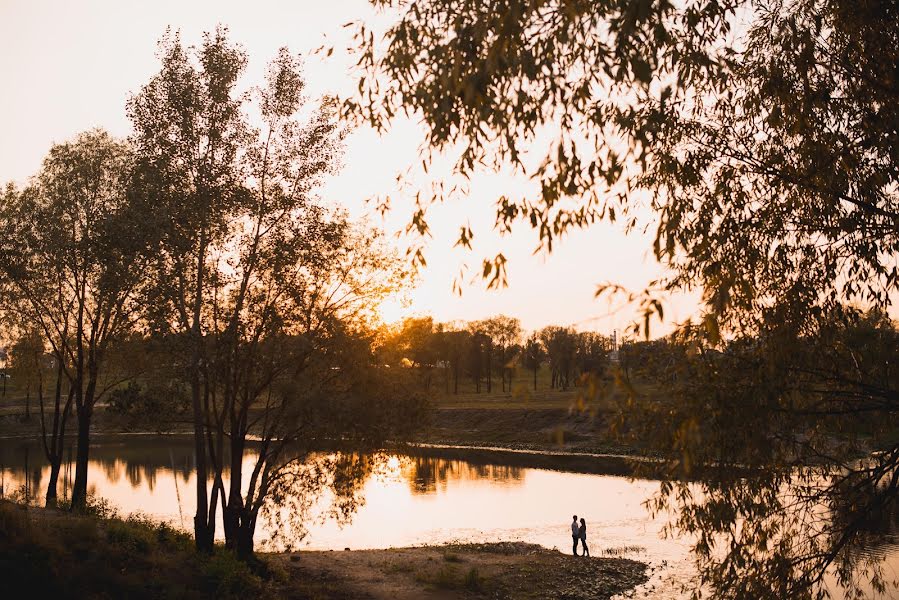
(254, 274)
(73, 262)
(533, 355)
(189, 133)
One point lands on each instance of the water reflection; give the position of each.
(429, 496)
(428, 474)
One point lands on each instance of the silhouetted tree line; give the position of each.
(478, 351)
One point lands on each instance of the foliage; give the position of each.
(492, 80)
(271, 292)
(768, 154)
(109, 556)
(74, 246)
(784, 437)
(157, 403)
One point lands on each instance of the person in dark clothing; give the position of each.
(582, 534)
(575, 533)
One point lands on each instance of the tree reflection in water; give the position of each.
(427, 474)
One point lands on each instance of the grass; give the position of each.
(53, 554)
(449, 577)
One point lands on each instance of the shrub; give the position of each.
(227, 577)
(473, 580)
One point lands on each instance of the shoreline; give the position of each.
(126, 555)
(549, 458)
(501, 570)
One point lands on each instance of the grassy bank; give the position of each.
(53, 554)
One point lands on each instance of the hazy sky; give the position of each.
(68, 66)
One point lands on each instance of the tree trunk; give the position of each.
(535, 377)
(54, 478)
(244, 539)
(489, 369)
(28, 405)
(203, 534)
(82, 452)
(231, 522)
(231, 512)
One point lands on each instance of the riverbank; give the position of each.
(461, 571)
(554, 429)
(50, 553)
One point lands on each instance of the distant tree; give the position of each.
(453, 347)
(414, 342)
(26, 359)
(591, 353)
(479, 349)
(534, 355)
(76, 245)
(561, 346)
(504, 332)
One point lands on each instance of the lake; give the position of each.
(432, 497)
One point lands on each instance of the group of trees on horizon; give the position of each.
(479, 350)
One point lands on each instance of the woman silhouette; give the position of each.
(582, 534)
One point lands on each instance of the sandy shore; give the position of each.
(496, 571)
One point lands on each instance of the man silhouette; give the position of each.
(575, 530)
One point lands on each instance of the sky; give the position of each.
(66, 67)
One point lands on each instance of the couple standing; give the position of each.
(579, 532)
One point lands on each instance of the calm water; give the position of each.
(409, 500)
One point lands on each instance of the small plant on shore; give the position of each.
(622, 550)
(473, 580)
(446, 577)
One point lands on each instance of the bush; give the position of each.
(226, 577)
(473, 580)
(47, 553)
(155, 403)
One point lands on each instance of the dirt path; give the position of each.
(496, 571)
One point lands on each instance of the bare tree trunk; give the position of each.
(203, 537)
(489, 368)
(55, 466)
(82, 454)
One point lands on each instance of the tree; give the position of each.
(768, 155)
(267, 287)
(533, 355)
(33, 366)
(75, 249)
(504, 332)
(452, 346)
(487, 76)
(591, 355)
(26, 357)
(413, 344)
(478, 351)
(560, 346)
